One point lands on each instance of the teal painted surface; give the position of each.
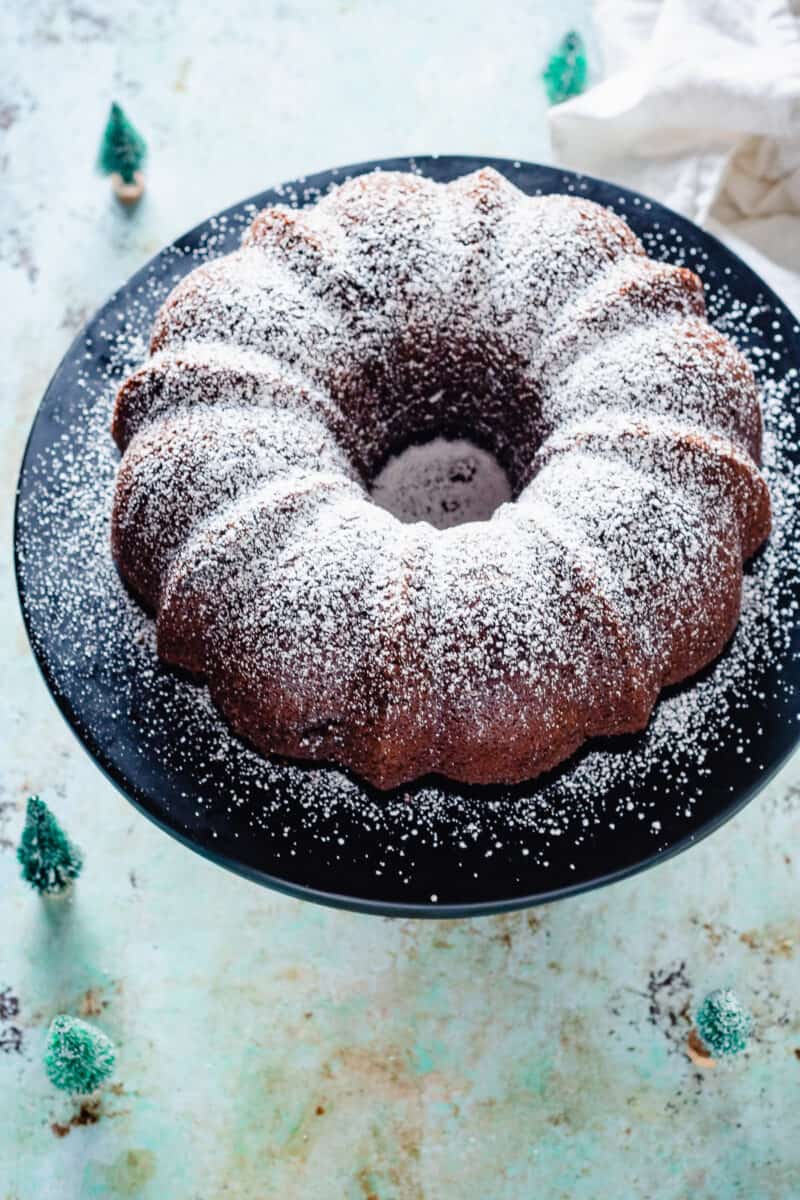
(270, 1048)
(267, 1047)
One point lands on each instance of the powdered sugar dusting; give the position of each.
(442, 482)
(105, 637)
(326, 631)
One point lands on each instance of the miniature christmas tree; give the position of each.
(49, 860)
(723, 1023)
(78, 1057)
(566, 70)
(122, 153)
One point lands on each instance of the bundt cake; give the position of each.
(284, 376)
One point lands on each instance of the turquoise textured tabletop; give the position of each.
(267, 1047)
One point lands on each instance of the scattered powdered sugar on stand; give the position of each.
(103, 636)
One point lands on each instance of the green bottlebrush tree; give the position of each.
(723, 1023)
(49, 860)
(566, 70)
(78, 1057)
(123, 149)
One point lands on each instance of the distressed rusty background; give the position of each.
(267, 1047)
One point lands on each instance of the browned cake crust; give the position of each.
(284, 375)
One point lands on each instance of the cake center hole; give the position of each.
(442, 482)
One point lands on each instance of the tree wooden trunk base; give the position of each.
(128, 193)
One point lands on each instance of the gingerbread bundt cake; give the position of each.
(395, 311)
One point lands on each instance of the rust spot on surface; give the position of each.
(504, 927)
(89, 1113)
(92, 1003)
(364, 1180)
(320, 1110)
(770, 942)
(127, 1174)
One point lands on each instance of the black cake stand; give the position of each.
(433, 848)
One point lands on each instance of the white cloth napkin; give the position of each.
(700, 108)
